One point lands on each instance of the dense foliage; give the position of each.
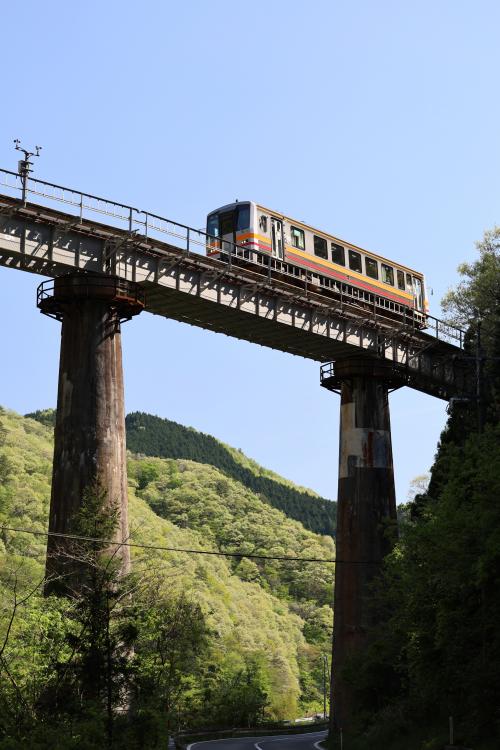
(186, 640)
(152, 436)
(232, 519)
(435, 652)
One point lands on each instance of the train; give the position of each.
(246, 232)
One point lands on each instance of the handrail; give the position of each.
(139, 222)
(58, 287)
(69, 190)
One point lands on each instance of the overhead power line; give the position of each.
(112, 542)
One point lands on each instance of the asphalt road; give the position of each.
(277, 742)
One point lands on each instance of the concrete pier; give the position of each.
(89, 440)
(366, 511)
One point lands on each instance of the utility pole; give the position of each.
(24, 166)
(479, 378)
(325, 675)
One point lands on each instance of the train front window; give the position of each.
(371, 268)
(297, 238)
(243, 217)
(320, 247)
(387, 274)
(354, 261)
(213, 225)
(401, 280)
(338, 254)
(227, 223)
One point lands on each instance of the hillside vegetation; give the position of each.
(149, 435)
(254, 630)
(152, 436)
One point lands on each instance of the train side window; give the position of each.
(401, 280)
(387, 274)
(338, 254)
(263, 223)
(371, 268)
(355, 261)
(297, 238)
(320, 247)
(409, 285)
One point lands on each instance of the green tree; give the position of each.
(239, 696)
(46, 417)
(171, 646)
(97, 673)
(479, 291)
(147, 473)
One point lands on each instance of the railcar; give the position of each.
(246, 232)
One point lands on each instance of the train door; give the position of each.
(418, 295)
(277, 238)
(227, 228)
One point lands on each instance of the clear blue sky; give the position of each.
(377, 121)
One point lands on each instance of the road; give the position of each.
(305, 741)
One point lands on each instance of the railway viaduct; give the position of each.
(106, 262)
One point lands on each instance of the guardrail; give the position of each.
(53, 296)
(63, 288)
(183, 740)
(152, 226)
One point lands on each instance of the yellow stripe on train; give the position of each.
(347, 271)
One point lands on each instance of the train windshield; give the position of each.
(213, 225)
(229, 222)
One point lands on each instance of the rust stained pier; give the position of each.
(89, 439)
(366, 508)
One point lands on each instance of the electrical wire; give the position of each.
(111, 542)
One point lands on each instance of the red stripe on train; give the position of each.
(349, 279)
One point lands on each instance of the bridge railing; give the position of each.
(121, 215)
(141, 223)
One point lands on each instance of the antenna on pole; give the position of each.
(24, 166)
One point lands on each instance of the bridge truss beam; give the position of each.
(237, 301)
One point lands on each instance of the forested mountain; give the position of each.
(152, 436)
(435, 652)
(221, 640)
(149, 435)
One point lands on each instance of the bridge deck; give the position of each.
(238, 301)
